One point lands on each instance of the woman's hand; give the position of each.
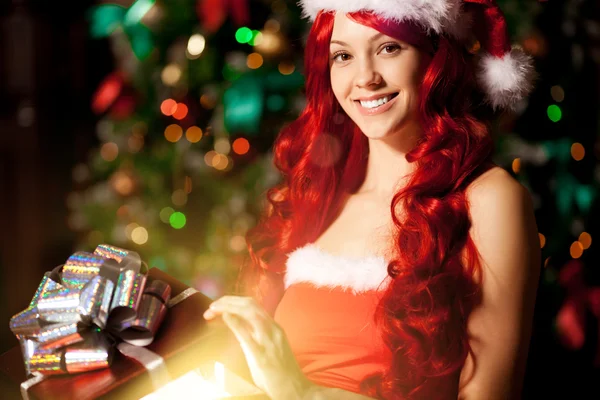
(270, 359)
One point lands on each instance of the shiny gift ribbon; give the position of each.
(82, 309)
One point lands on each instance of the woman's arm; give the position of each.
(506, 236)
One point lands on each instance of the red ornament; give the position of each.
(213, 13)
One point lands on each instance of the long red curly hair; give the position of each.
(423, 312)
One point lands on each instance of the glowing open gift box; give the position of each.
(202, 361)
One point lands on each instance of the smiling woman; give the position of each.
(371, 73)
(394, 261)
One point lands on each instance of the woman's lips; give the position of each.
(377, 110)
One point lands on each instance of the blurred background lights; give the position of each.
(196, 45)
(256, 38)
(168, 107)
(208, 157)
(129, 229)
(207, 101)
(542, 240)
(139, 235)
(173, 133)
(286, 68)
(177, 220)
(171, 74)
(135, 142)
(193, 134)
(272, 25)
(237, 243)
(554, 113)
(181, 112)
(179, 197)
(222, 146)
(576, 249)
(254, 61)
(241, 146)
(243, 35)
(557, 93)
(109, 151)
(220, 162)
(586, 240)
(165, 214)
(270, 43)
(122, 183)
(577, 151)
(516, 165)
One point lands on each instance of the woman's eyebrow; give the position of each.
(371, 39)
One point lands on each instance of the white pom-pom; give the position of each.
(506, 80)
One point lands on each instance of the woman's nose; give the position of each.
(367, 75)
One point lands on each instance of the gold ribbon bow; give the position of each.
(84, 307)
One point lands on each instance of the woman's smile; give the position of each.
(377, 106)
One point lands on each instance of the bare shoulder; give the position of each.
(502, 219)
(496, 187)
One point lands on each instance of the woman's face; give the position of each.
(374, 77)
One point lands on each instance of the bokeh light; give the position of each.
(196, 45)
(586, 240)
(237, 243)
(193, 134)
(557, 93)
(516, 165)
(129, 229)
(286, 68)
(179, 197)
(577, 151)
(208, 157)
(109, 151)
(181, 112)
(554, 113)
(222, 146)
(165, 214)
(171, 74)
(576, 249)
(241, 146)
(542, 240)
(177, 220)
(272, 25)
(254, 61)
(207, 101)
(168, 107)
(243, 35)
(139, 235)
(173, 133)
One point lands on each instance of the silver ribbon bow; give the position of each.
(84, 307)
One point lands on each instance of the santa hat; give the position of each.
(505, 74)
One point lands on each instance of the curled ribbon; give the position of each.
(83, 308)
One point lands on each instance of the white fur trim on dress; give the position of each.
(439, 16)
(508, 79)
(310, 264)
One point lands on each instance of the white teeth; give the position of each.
(375, 103)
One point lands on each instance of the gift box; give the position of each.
(202, 360)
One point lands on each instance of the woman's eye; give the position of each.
(391, 48)
(341, 57)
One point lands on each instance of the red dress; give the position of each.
(327, 313)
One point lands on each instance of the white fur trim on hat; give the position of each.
(310, 264)
(506, 80)
(439, 16)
